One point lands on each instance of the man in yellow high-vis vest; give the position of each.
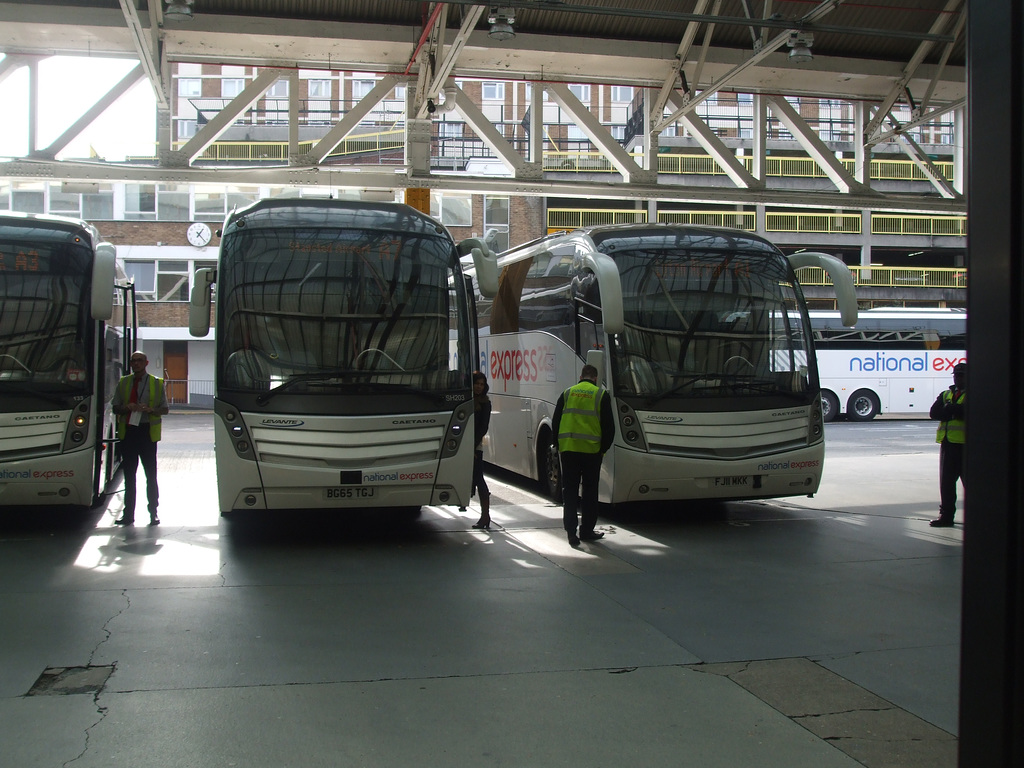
(140, 401)
(950, 410)
(585, 426)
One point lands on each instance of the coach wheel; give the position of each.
(550, 469)
(829, 405)
(862, 406)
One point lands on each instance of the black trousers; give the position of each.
(479, 483)
(951, 469)
(137, 446)
(577, 467)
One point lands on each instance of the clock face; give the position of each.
(199, 234)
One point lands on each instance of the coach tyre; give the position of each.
(862, 406)
(829, 405)
(549, 470)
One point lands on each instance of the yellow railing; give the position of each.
(800, 167)
(574, 218)
(821, 223)
(892, 277)
(736, 219)
(248, 151)
(578, 162)
(918, 225)
(800, 222)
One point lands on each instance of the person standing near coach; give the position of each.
(949, 409)
(585, 426)
(140, 402)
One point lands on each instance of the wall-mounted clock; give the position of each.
(199, 234)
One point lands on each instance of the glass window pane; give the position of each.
(143, 273)
(457, 210)
(171, 287)
(496, 210)
(229, 88)
(190, 88)
(65, 203)
(28, 200)
(173, 206)
(319, 89)
(209, 206)
(97, 206)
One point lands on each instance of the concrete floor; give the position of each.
(813, 633)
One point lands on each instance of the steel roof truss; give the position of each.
(719, 152)
(144, 47)
(597, 133)
(921, 119)
(446, 67)
(223, 119)
(92, 113)
(351, 120)
(908, 71)
(813, 144)
(658, 107)
(426, 55)
(921, 160)
(766, 50)
(946, 51)
(483, 127)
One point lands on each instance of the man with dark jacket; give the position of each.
(585, 426)
(949, 410)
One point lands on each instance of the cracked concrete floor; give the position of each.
(813, 632)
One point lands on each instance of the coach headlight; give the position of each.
(629, 426)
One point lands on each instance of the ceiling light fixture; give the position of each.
(179, 9)
(800, 47)
(501, 19)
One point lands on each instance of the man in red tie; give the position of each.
(140, 401)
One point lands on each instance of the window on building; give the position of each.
(361, 88)
(28, 197)
(139, 201)
(496, 221)
(209, 206)
(172, 279)
(186, 128)
(319, 89)
(172, 202)
(581, 92)
(98, 206)
(5, 196)
(492, 91)
(451, 209)
(143, 274)
(622, 93)
(448, 130)
(65, 203)
(190, 87)
(278, 90)
(231, 87)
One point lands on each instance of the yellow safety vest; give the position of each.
(156, 395)
(579, 429)
(954, 430)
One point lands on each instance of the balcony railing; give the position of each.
(800, 222)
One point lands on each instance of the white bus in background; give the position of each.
(344, 352)
(67, 330)
(703, 341)
(894, 361)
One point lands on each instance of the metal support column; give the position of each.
(992, 649)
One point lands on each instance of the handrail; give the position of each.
(809, 222)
